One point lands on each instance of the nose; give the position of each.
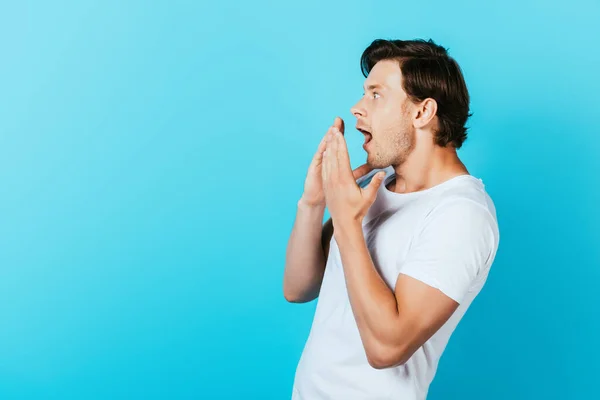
(358, 110)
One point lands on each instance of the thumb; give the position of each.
(373, 186)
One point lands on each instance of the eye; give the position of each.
(376, 95)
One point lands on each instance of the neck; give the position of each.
(427, 167)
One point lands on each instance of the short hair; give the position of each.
(428, 72)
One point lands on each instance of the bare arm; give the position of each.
(394, 323)
(308, 246)
(306, 254)
(455, 243)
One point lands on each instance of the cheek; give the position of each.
(387, 126)
(389, 117)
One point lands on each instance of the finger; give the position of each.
(328, 158)
(339, 123)
(371, 190)
(362, 171)
(333, 157)
(322, 145)
(324, 165)
(343, 158)
(318, 157)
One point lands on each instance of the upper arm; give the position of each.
(456, 245)
(422, 311)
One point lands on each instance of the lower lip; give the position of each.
(366, 144)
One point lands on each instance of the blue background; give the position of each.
(151, 158)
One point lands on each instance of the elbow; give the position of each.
(381, 356)
(384, 361)
(294, 296)
(291, 296)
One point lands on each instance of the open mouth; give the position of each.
(367, 135)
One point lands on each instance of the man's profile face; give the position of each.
(383, 116)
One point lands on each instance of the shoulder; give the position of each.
(463, 214)
(464, 197)
(456, 242)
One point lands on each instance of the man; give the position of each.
(402, 257)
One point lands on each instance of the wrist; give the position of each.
(346, 227)
(308, 205)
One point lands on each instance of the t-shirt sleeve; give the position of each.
(456, 243)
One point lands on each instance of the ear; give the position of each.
(425, 112)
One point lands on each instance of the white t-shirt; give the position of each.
(445, 236)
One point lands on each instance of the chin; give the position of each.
(376, 164)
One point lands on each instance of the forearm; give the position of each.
(305, 259)
(373, 302)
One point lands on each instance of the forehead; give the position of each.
(385, 73)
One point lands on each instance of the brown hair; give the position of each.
(428, 72)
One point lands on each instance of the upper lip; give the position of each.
(362, 129)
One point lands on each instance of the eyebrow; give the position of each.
(374, 86)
